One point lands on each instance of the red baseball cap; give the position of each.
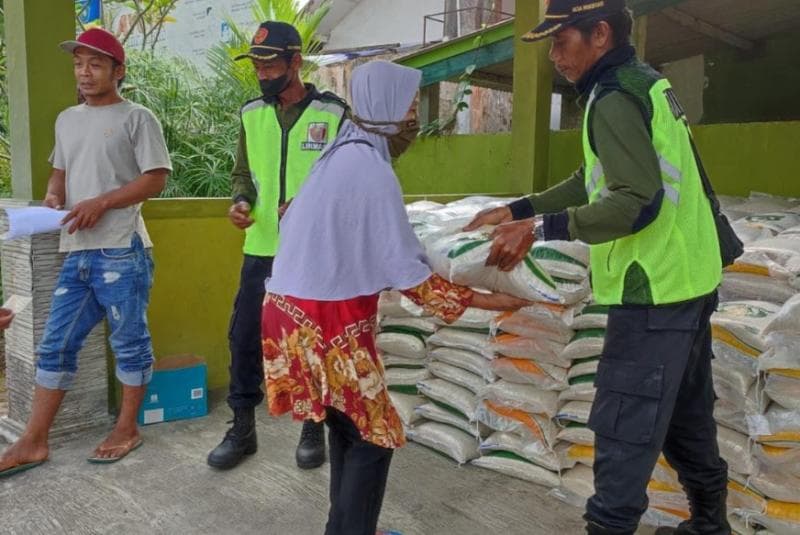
(99, 40)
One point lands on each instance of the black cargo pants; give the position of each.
(654, 393)
(244, 334)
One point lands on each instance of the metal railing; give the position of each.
(483, 16)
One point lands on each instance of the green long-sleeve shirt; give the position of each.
(622, 141)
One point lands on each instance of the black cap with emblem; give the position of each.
(273, 39)
(564, 13)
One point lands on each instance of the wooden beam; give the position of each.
(492, 81)
(707, 29)
(429, 103)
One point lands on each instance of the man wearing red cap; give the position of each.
(109, 157)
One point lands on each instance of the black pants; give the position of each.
(244, 335)
(359, 471)
(654, 392)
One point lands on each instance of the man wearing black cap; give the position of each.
(283, 133)
(643, 203)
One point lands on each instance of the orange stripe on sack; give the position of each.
(748, 268)
(724, 335)
(519, 416)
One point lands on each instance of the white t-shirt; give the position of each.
(102, 148)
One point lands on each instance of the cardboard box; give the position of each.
(178, 390)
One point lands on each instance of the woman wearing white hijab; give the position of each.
(344, 239)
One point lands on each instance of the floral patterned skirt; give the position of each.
(320, 354)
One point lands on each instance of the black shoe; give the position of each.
(240, 440)
(709, 515)
(311, 449)
(593, 528)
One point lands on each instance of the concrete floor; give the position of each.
(166, 487)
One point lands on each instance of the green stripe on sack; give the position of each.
(594, 309)
(546, 253)
(467, 247)
(404, 389)
(582, 379)
(396, 329)
(538, 273)
(449, 409)
(585, 360)
(404, 367)
(588, 333)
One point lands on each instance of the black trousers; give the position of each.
(654, 393)
(244, 335)
(359, 471)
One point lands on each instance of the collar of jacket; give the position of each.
(613, 58)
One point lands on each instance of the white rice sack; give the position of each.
(591, 317)
(406, 376)
(746, 320)
(401, 344)
(457, 376)
(781, 519)
(461, 258)
(748, 233)
(579, 480)
(405, 405)
(780, 257)
(541, 320)
(579, 390)
(762, 203)
(534, 428)
(395, 304)
(577, 434)
(513, 443)
(472, 318)
(526, 398)
(563, 259)
(734, 447)
(662, 517)
(784, 390)
(456, 444)
(436, 413)
(774, 222)
(664, 473)
(393, 361)
(786, 460)
(523, 371)
(466, 360)
(514, 466)
(538, 349)
(783, 352)
(663, 496)
(421, 326)
(574, 411)
(747, 286)
(776, 484)
(731, 415)
(571, 454)
(741, 495)
(585, 367)
(728, 387)
(736, 358)
(584, 344)
(784, 427)
(457, 397)
(787, 318)
(476, 342)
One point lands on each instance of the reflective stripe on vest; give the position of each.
(271, 152)
(676, 255)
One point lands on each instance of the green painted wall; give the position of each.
(757, 86)
(457, 164)
(198, 255)
(739, 158)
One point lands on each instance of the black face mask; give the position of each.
(273, 88)
(400, 142)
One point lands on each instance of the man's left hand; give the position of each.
(512, 241)
(86, 214)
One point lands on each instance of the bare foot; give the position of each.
(24, 451)
(118, 443)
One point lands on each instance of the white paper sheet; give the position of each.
(32, 220)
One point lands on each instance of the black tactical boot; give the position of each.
(240, 440)
(311, 449)
(709, 515)
(593, 528)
